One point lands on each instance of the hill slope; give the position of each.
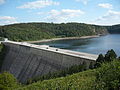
(107, 77)
(37, 31)
(115, 29)
(81, 81)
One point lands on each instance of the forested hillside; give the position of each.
(38, 31)
(114, 29)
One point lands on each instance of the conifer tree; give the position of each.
(99, 60)
(110, 55)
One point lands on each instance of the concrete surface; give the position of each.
(26, 60)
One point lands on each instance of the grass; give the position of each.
(82, 81)
(106, 77)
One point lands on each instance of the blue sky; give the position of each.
(100, 12)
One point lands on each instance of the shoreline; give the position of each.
(66, 38)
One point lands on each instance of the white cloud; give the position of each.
(83, 1)
(38, 4)
(105, 5)
(110, 18)
(7, 20)
(63, 15)
(2, 1)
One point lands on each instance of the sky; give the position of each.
(99, 12)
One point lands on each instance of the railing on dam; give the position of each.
(26, 60)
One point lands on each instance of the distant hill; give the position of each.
(38, 31)
(115, 29)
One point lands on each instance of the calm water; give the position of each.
(93, 45)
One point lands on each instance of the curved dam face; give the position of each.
(26, 60)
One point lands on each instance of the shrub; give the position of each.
(7, 81)
(108, 76)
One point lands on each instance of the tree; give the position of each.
(110, 55)
(99, 60)
(7, 81)
(37, 31)
(118, 58)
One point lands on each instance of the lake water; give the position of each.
(93, 45)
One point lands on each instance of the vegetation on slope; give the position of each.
(81, 81)
(107, 77)
(37, 31)
(115, 29)
(62, 73)
(109, 56)
(8, 81)
(104, 76)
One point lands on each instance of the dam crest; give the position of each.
(25, 60)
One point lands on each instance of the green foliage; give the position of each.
(80, 81)
(71, 70)
(108, 76)
(99, 60)
(110, 55)
(37, 31)
(7, 81)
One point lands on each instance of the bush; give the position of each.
(108, 76)
(7, 81)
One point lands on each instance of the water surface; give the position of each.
(93, 45)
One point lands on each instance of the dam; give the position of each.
(25, 60)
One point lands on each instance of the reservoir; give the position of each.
(92, 45)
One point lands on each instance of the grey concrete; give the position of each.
(26, 60)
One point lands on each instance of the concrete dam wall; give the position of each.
(26, 60)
